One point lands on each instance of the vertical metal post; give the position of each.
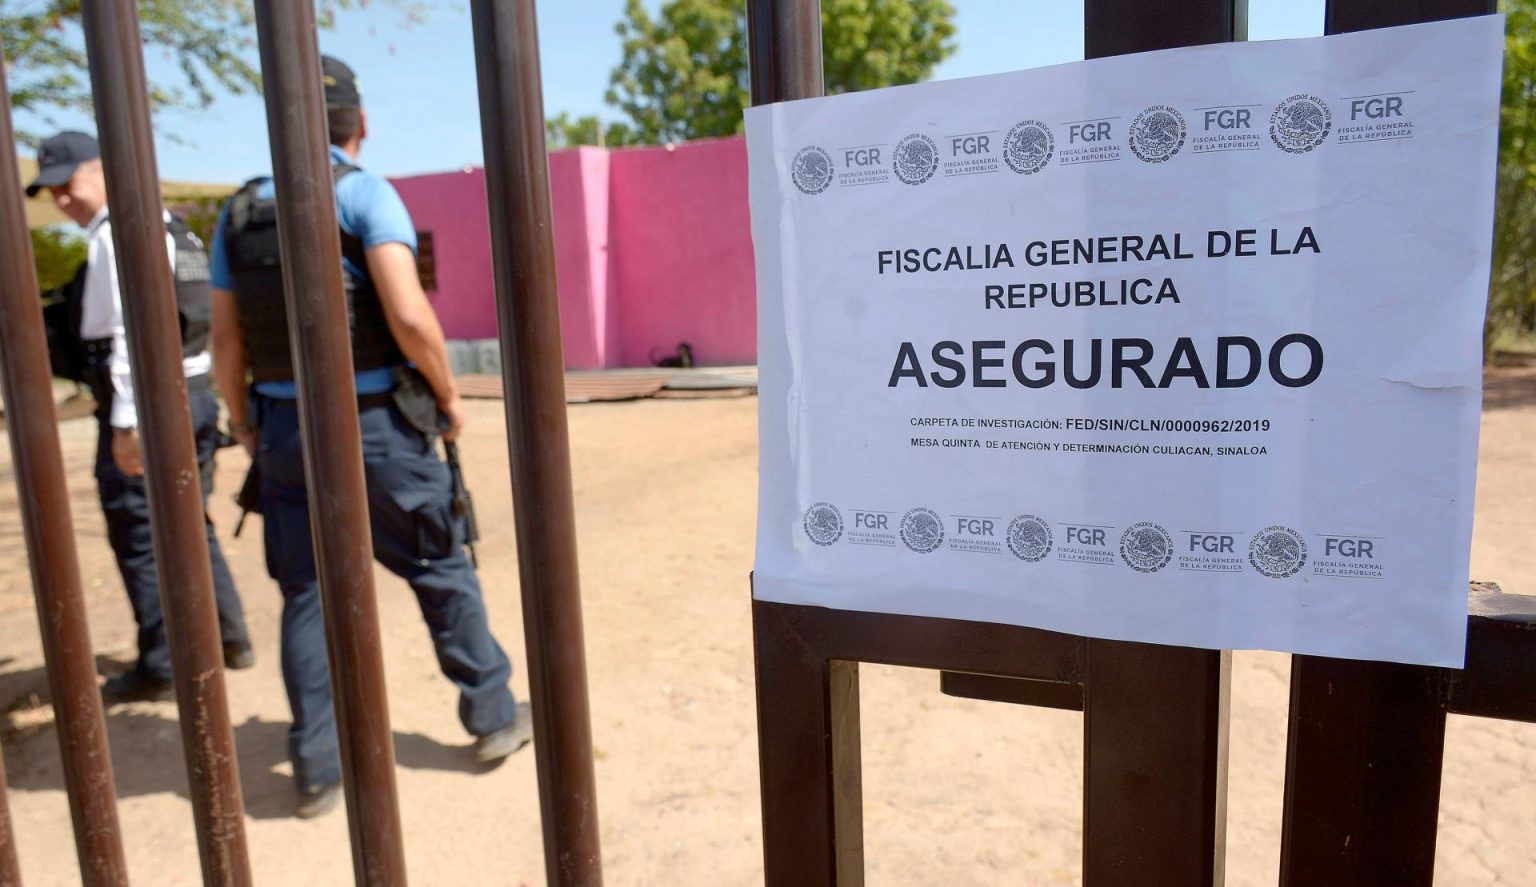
(328, 422)
(528, 312)
(784, 45)
(10, 866)
(1155, 726)
(1362, 773)
(44, 496)
(1154, 765)
(808, 754)
(165, 430)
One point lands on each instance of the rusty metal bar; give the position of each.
(1116, 27)
(533, 368)
(1155, 726)
(330, 430)
(813, 833)
(1019, 691)
(1362, 786)
(10, 866)
(784, 42)
(31, 422)
(1499, 680)
(1363, 759)
(165, 432)
(1154, 764)
(808, 748)
(1343, 16)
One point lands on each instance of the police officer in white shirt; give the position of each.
(70, 168)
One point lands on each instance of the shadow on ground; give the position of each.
(145, 738)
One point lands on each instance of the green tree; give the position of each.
(211, 41)
(1512, 294)
(57, 254)
(565, 131)
(684, 71)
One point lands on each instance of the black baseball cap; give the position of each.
(341, 89)
(57, 158)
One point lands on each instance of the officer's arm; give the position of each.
(414, 325)
(229, 361)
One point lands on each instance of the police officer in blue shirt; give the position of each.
(400, 358)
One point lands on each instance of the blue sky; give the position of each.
(419, 81)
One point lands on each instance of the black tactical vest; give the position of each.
(256, 275)
(194, 303)
(63, 308)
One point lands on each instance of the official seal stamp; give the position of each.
(1158, 133)
(1028, 147)
(823, 523)
(811, 169)
(1277, 552)
(1146, 547)
(921, 530)
(1300, 123)
(916, 159)
(1029, 538)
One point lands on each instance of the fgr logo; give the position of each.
(1158, 133)
(921, 530)
(1146, 547)
(916, 157)
(1277, 552)
(1028, 147)
(823, 523)
(811, 169)
(1229, 118)
(1376, 107)
(1029, 538)
(1300, 123)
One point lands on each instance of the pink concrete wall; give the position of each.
(452, 206)
(681, 252)
(653, 247)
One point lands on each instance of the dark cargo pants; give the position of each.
(416, 535)
(125, 505)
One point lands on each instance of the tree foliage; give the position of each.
(684, 70)
(211, 41)
(57, 253)
(1512, 295)
(565, 131)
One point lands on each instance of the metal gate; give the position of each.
(506, 51)
(1363, 769)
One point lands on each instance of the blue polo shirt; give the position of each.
(368, 208)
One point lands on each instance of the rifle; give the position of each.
(249, 497)
(462, 502)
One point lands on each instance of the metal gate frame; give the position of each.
(1365, 738)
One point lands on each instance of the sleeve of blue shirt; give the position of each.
(371, 210)
(218, 260)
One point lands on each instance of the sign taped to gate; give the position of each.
(1180, 347)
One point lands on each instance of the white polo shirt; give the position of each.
(101, 316)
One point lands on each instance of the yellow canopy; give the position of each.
(42, 213)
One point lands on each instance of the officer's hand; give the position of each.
(247, 439)
(453, 411)
(125, 451)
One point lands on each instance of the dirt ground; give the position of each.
(956, 792)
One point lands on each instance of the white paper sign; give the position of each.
(1181, 347)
